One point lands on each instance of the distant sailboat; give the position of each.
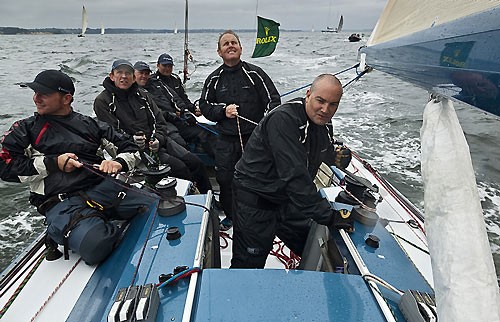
(339, 27)
(175, 29)
(312, 29)
(102, 29)
(84, 22)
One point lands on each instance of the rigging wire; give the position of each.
(337, 73)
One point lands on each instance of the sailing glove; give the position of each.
(341, 157)
(140, 140)
(154, 145)
(171, 116)
(190, 119)
(342, 219)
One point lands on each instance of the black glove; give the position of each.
(342, 219)
(190, 119)
(171, 116)
(341, 157)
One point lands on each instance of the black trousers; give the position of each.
(227, 153)
(198, 135)
(190, 166)
(255, 225)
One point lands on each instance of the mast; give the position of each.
(186, 50)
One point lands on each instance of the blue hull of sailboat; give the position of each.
(459, 59)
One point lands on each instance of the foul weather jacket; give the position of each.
(31, 146)
(174, 82)
(131, 111)
(245, 85)
(281, 160)
(166, 99)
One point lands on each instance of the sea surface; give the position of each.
(379, 116)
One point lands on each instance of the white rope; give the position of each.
(239, 133)
(244, 118)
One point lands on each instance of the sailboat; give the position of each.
(102, 29)
(339, 27)
(341, 277)
(175, 29)
(84, 22)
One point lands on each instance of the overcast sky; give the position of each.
(165, 14)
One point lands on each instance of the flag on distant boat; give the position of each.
(268, 33)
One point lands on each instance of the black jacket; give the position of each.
(282, 157)
(174, 82)
(245, 85)
(130, 111)
(167, 100)
(31, 147)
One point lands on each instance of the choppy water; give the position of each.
(380, 116)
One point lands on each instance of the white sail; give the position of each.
(175, 29)
(465, 282)
(84, 21)
(102, 29)
(404, 17)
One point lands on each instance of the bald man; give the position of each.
(273, 189)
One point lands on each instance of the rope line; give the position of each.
(56, 289)
(21, 286)
(239, 133)
(145, 244)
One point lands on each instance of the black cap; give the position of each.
(140, 65)
(51, 81)
(121, 62)
(165, 59)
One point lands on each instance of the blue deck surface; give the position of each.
(245, 295)
(388, 262)
(276, 295)
(118, 271)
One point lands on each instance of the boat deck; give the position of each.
(73, 291)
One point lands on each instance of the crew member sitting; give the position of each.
(174, 110)
(132, 110)
(56, 152)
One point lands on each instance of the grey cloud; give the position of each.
(161, 14)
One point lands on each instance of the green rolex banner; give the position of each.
(268, 33)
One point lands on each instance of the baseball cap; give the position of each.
(140, 65)
(121, 62)
(51, 81)
(165, 59)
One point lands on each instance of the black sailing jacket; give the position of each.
(245, 85)
(130, 111)
(282, 157)
(166, 99)
(31, 146)
(174, 82)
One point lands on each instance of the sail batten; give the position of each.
(404, 17)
